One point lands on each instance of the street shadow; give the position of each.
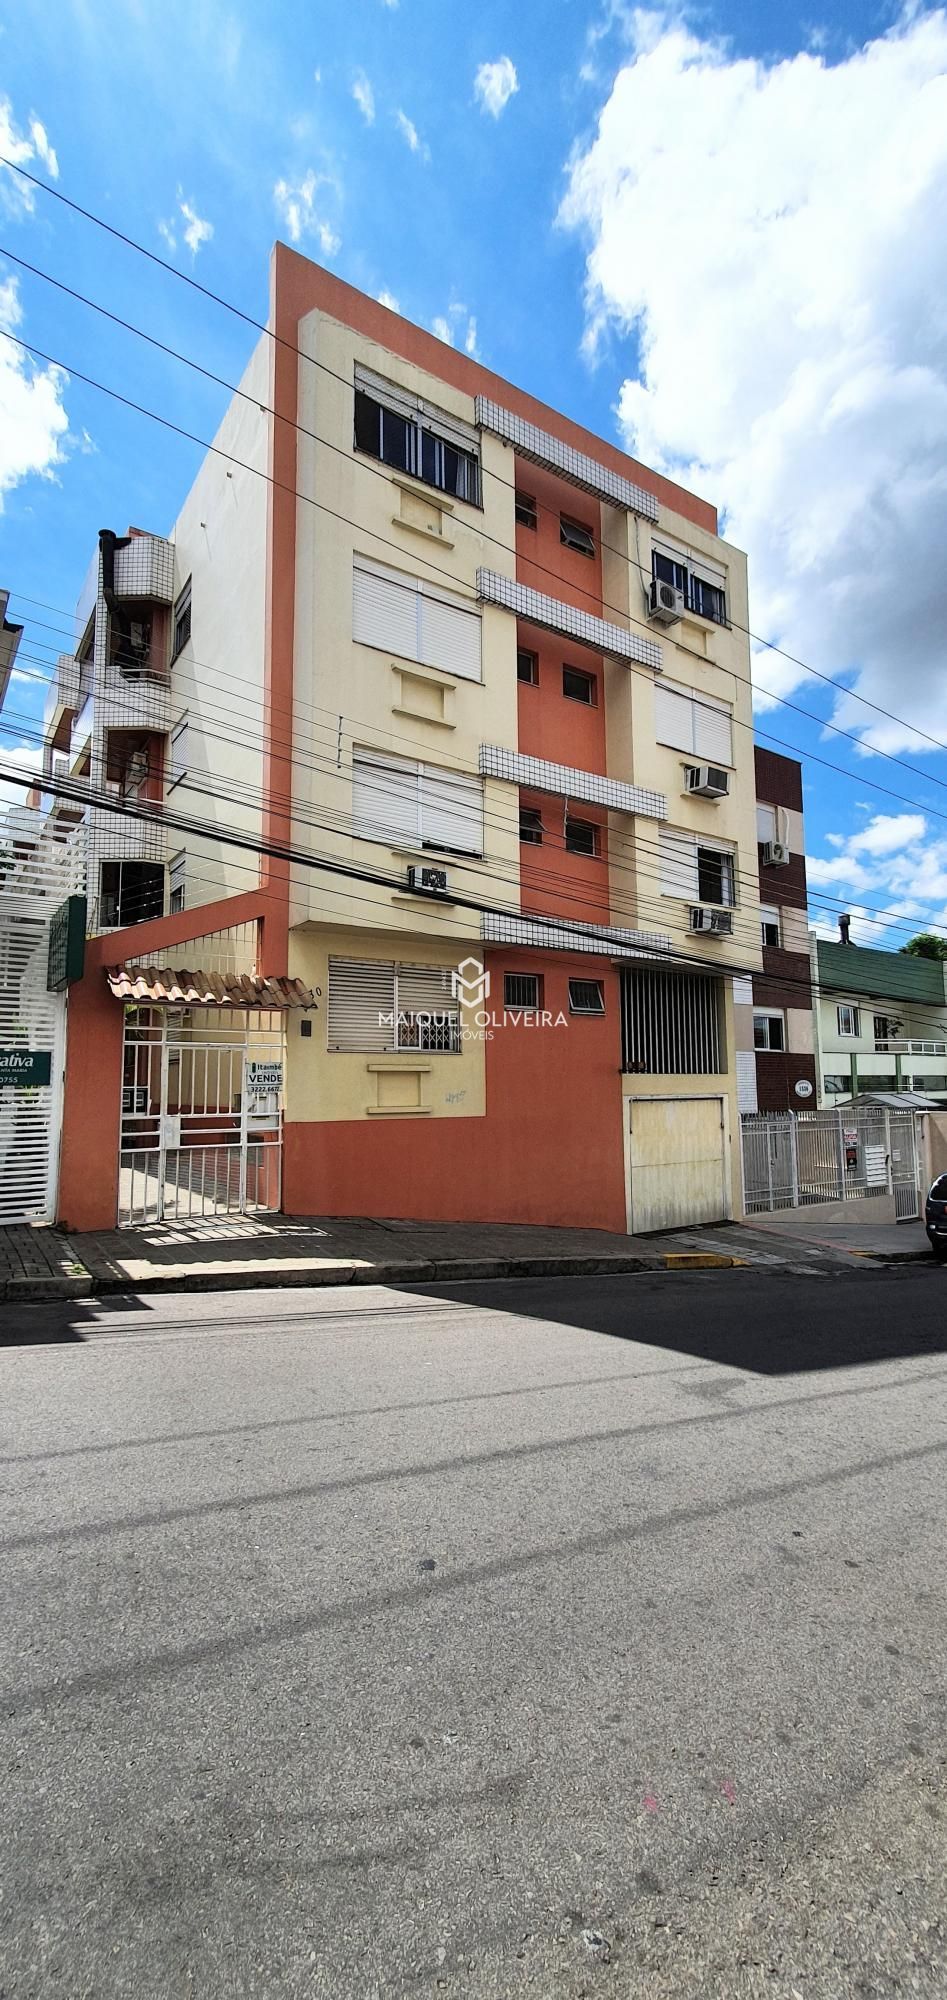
(59, 1322)
(764, 1322)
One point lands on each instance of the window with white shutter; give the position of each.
(402, 614)
(416, 805)
(377, 1008)
(686, 719)
(678, 854)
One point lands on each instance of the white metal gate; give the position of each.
(795, 1159)
(202, 1114)
(38, 870)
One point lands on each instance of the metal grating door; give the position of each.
(202, 1114)
(31, 1022)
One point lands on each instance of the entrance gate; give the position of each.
(857, 1152)
(202, 1114)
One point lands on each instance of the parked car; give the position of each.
(935, 1216)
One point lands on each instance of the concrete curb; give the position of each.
(418, 1271)
(44, 1290)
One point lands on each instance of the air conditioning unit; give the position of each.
(707, 781)
(715, 923)
(667, 603)
(430, 881)
(775, 853)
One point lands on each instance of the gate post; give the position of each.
(888, 1167)
(794, 1157)
(841, 1156)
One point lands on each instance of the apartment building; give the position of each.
(776, 1066)
(881, 1022)
(436, 867)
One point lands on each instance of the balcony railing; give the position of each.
(901, 1047)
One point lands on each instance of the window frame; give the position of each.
(576, 536)
(424, 776)
(397, 1039)
(853, 1033)
(534, 835)
(688, 575)
(525, 510)
(598, 985)
(429, 435)
(768, 911)
(726, 860)
(530, 679)
(764, 1016)
(589, 680)
(766, 833)
(182, 608)
(590, 826)
(523, 1006)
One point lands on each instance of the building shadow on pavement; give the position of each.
(764, 1322)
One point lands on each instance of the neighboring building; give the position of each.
(881, 1022)
(10, 636)
(448, 630)
(775, 1042)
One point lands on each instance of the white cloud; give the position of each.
(195, 231)
(895, 863)
(470, 337)
(775, 234)
(296, 205)
(20, 756)
(33, 422)
(450, 326)
(409, 133)
(494, 84)
(16, 195)
(442, 329)
(317, 76)
(388, 299)
(364, 97)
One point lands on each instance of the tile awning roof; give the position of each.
(162, 986)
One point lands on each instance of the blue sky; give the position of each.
(727, 239)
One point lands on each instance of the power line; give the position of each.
(300, 353)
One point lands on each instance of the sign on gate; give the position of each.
(25, 1069)
(263, 1078)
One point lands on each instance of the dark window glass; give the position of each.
(531, 826)
(708, 600)
(181, 621)
(396, 439)
(367, 425)
(714, 876)
(572, 535)
(770, 932)
(666, 571)
(411, 445)
(132, 891)
(522, 989)
(586, 996)
(578, 686)
(527, 668)
(525, 510)
(581, 836)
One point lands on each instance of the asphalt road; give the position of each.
(538, 1638)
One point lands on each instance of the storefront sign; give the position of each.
(25, 1069)
(66, 945)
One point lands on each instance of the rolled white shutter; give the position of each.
(425, 989)
(451, 810)
(385, 610)
(385, 799)
(673, 718)
(360, 992)
(450, 637)
(713, 732)
(678, 852)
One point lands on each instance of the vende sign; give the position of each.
(25, 1069)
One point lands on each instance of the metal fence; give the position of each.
(794, 1159)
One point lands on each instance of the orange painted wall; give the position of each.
(92, 1106)
(549, 723)
(543, 1153)
(555, 882)
(542, 560)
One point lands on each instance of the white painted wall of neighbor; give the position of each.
(217, 680)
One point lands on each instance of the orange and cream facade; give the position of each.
(436, 712)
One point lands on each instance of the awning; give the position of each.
(159, 986)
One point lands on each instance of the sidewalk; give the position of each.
(241, 1252)
(892, 1242)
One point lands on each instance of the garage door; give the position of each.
(677, 1162)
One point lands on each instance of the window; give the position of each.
(927, 1085)
(531, 826)
(670, 1024)
(586, 996)
(769, 1031)
(696, 871)
(884, 1030)
(131, 892)
(527, 668)
(416, 805)
(579, 686)
(572, 535)
(525, 507)
(412, 436)
(766, 823)
(178, 760)
(177, 899)
(378, 1007)
(715, 876)
(769, 925)
(130, 643)
(402, 614)
(686, 719)
(582, 836)
(703, 585)
(836, 1085)
(181, 621)
(848, 1022)
(522, 989)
